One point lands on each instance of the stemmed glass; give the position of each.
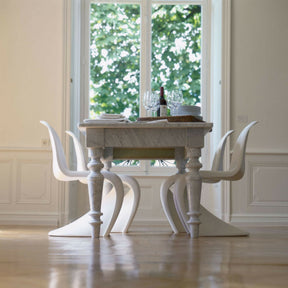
(151, 102)
(147, 101)
(154, 102)
(175, 99)
(178, 98)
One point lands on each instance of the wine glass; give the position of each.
(170, 101)
(155, 104)
(175, 99)
(147, 103)
(178, 99)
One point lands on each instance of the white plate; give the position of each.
(103, 121)
(189, 108)
(111, 116)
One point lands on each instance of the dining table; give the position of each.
(157, 140)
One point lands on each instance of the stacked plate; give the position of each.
(187, 110)
(108, 118)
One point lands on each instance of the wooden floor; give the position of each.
(29, 258)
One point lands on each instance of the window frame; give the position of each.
(145, 42)
(215, 107)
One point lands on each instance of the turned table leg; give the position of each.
(194, 184)
(95, 186)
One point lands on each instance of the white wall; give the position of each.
(259, 90)
(31, 69)
(31, 89)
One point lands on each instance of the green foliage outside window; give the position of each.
(176, 49)
(115, 55)
(114, 58)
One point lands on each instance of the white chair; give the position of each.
(111, 200)
(167, 189)
(215, 226)
(131, 190)
(237, 164)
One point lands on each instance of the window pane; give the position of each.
(115, 62)
(114, 59)
(176, 49)
(176, 53)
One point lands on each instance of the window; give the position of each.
(116, 49)
(126, 55)
(214, 78)
(139, 45)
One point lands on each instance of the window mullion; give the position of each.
(145, 54)
(85, 63)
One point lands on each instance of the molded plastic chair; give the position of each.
(237, 165)
(166, 190)
(217, 164)
(111, 200)
(131, 196)
(235, 172)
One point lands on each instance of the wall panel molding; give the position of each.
(150, 208)
(261, 196)
(268, 181)
(6, 183)
(33, 181)
(29, 193)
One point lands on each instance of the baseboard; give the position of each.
(150, 225)
(29, 219)
(260, 220)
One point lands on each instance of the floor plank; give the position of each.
(29, 258)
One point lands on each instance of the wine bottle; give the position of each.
(162, 110)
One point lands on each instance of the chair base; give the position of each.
(210, 226)
(213, 226)
(77, 228)
(174, 203)
(111, 205)
(81, 227)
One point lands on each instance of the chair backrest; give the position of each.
(217, 164)
(81, 162)
(237, 164)
(60, 168)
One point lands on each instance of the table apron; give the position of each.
(145, 138)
